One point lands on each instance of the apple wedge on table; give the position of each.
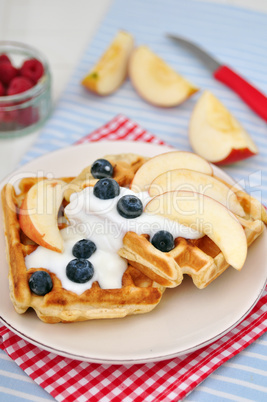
(155, 81)
(190, 180)
(111, 70)
(216, 135)
(168, 161)
(39, 212)
(208, 217)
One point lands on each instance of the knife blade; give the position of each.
(255, 99)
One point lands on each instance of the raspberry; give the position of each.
(4, 58)
(28, 116)
(32, 69)
(2, 89)
(18, 85)
(7, 117)
(7, 72)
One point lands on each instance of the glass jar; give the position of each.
(25, 112)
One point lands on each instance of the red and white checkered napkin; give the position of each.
(170, 380)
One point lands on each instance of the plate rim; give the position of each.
(132, 361)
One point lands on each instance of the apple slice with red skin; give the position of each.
(216, 135)
(168, 161)
(155, 81)
(208, 217)
(190, 180)
(236, 155)
(39, 211)
(111, 70)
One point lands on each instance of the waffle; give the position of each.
(201, 258)
(138, 293)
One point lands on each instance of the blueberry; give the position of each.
(40, 283)
(163, 241)
(130, 206)
(83, 248)
(106, 189)
(101, 168)
(79, 270)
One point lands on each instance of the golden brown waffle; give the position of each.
(124, 169)
(200, 258)
(138, 293)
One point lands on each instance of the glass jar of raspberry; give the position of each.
(25, 89)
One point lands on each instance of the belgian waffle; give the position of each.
(138, 294)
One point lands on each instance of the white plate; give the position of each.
(186, 319)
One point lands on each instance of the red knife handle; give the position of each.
(253, 98)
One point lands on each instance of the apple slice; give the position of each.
(155, 81)
(190, 180)
(39, 211)
(216, 135)
(168, 161)
(111, 70)
(208, 217)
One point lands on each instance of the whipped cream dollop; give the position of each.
(99, 221)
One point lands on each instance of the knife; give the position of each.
(255, 99)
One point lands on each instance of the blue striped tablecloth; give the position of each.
(236, 36)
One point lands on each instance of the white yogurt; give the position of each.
(108, 269)
(99, 221)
